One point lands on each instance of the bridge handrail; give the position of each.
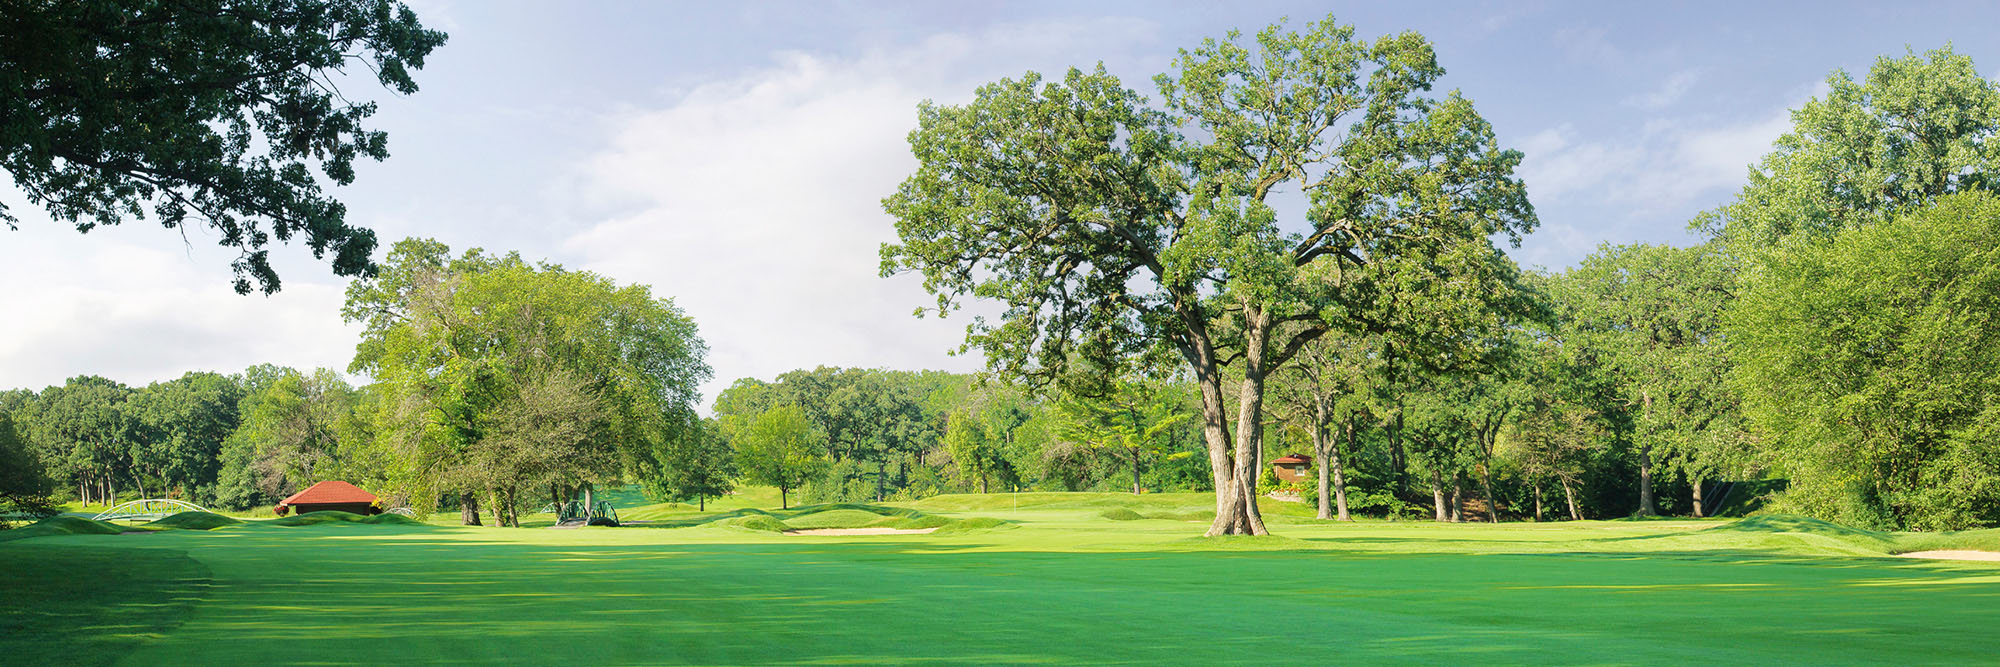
(153, 507)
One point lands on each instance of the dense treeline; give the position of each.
(496, 381)
(1835, 335)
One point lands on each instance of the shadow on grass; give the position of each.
(348, 594)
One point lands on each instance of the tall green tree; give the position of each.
(1106, 231)
(1128, 414)
(694, 468)
(295, 428)
(1871, 367)
(213, 112)
(83, 434)
(781, 447)
(465, 349)
(1651, 316)
(182, 424)
(24, 487)
(1917, 128)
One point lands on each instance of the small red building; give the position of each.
(331, 495)
(1291, 467)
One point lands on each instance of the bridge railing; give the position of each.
(153, 508)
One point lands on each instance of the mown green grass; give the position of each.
(1052, 581)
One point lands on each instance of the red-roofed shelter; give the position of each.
(1291, 467)
(332, 494)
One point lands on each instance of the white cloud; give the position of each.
(128, 303)
(1669, 91)
(754, 201)
(1667, 164)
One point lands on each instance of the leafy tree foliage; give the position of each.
(1918, 128)
(183, 423)
(1107, 232)
(83, 434)
(213, 111)
(24, 488)
(1871, 364)
(693, 468)
(1649, 317)
(780, 447)
(478, 358)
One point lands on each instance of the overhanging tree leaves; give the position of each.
(214, 112)
(1108, 232)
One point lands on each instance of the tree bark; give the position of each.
(1437, 495)
(782, 494)
(1323, 466)
(1538, 501)
(468, 508)
(1340, 471)
(1486, 486)
(1137, 489)
(1646, 460)
(1457, 496)
(1569, 493)
(1700, 510)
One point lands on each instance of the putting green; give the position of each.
(1059, 584)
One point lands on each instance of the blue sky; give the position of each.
(732, 156)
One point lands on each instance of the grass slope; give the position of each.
(1051, 582)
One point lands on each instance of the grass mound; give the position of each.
(757, 522)
(1122, 514)
(912, 523)
(977, 524)
(1206, 515)
(316, 518)
(391, 520)
(193, 520)
(1793, 523)
(840, 518)
(64, 525)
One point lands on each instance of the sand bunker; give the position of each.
(860, 531)
(1954, 554)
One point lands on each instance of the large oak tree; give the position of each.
(1108, 225)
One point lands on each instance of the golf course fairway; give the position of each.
(1052, 581)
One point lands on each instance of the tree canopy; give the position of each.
(213, 112)
(1107, 230)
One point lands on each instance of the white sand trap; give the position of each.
(860, 531)
(1954, 554)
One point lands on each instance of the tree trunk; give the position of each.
(1646, 460)
(783, 503)
(1323, 465)
(1340, 473)
(882, 475)
(1700, 510)
(982, 482)
(1569, 493)
(1486, 486)
(1136, 488)
(1437, 495)
(1538, 501)
(468, 508)
(1457, 497)
(700, 503)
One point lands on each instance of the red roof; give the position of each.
(1292, 458)
(330, 491)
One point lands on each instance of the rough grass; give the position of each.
(195, 521)
(1053, 584)
(973, 525)
(65, 525)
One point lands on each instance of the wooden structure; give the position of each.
(330, 495)
(1292, 467)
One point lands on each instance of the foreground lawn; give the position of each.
(1061, 584)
